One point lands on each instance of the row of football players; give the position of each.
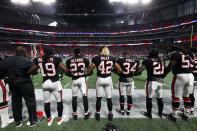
(182, 63)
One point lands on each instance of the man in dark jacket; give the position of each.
(21, 86)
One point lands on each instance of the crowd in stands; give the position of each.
(90, 51)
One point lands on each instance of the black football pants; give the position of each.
(23, 90)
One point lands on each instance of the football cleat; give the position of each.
(19, 124)
(184, 116)
(110, 116)
(75, 116)
(128, 112)
(87, 116)
(181, 110)
(146, 114)
(50, 121)
(34, 123)
(60, 120)
(121, 112)
(160, 115)
(191, 112)
(97, 116)
(170, 117)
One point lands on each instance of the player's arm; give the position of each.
(138, 65)
(117, 68)
(64, 68)
(90, 69)
(169, 67)
(33, 70)
(87, 64)
(139, 70)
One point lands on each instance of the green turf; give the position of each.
(139, 80)
(122, 125)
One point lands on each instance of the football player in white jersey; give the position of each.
(49, 65)
(77, 66)
(126, 81)
(104, 63)
(153, 86)
(182, 83)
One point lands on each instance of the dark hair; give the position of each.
(153, 53)
(20, 51)
(194, 49)
(126, 54)
(48, 50)
(77, 51)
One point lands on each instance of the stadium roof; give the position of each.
(79, 11)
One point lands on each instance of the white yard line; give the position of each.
(36, 83)
(139, 104)
(66, 85)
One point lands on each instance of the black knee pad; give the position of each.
(121, 99)
(47, 109)
(149, 105)
(109, 104)
(160, 102)
(98, 104)
(175, 105)
(74, 103)
(187, 102)
(192, 99)
(85, 103)
(60, 108)
(160, 105)
(149, 102)
(129, 100)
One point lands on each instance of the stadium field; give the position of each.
(123, 124)
(91, 80)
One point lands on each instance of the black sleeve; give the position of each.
(119, 61)
(94, 60)
(59, 60)
(87, 62)
(68, 63)
(29, 63)
(145, 62)
(138, 63)
(35, 61)
(114, 60)
(174, 56)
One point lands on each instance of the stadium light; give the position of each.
(53, 24)
(146, 1)
(47, 2)
(131, 1)
(125, 1)
(21, 2)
